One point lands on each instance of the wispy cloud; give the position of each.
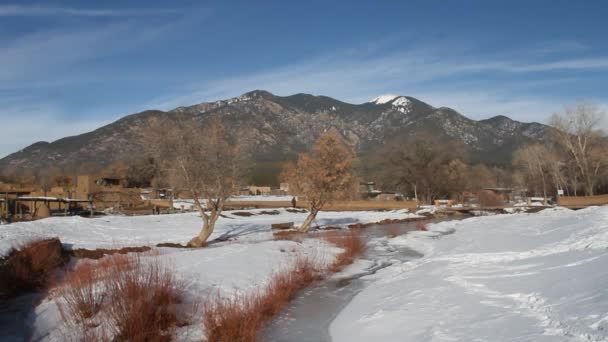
(433, 75)
(40, 10)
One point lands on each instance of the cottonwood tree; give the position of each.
(577, 132)
(428, 166)
(533, 160)
(323, 175)
(207, 162)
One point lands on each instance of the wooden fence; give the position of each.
(582, 201)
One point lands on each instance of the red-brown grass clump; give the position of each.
(130, 297)
(351, 242)
(241, 317)
(31, 267)
(393, 232)
(421, 225)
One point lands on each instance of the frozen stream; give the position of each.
(309, 315)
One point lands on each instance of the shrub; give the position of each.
(421, 225)
(490, 199)
(351, 242)
(81, 296)
(241, 317)
(30, 267)
(133, 298)
(393, 231)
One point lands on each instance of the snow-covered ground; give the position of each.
(243, 263)
(123, 231)
(520, 277)
(223, 270)
(188, 204)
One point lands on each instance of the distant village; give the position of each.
(91, 195)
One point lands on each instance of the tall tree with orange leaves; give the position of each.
(323, 175)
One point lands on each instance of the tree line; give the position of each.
(210, 162)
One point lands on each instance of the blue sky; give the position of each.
(68, 67)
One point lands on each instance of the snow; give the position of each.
(240, 265)
(517, 277)
(401, 101)
(384, 98)
(225, 270)
(188, 204)
(122, 231)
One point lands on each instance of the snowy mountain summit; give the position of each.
(400, 103)
(382, 99)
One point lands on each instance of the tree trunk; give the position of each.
(208, 223)
(309, 219)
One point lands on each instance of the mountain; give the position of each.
(286, 125)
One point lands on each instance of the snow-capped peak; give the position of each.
(401, 101)
(384, 98)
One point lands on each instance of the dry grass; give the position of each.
(421, 225)
(30, 267)
(490, 199)
(393, 232)
(288, 235)
(82, 298)
(132, 298)
(351, 242)
(241, 317)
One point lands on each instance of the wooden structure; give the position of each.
(577, 202)
(66, 206)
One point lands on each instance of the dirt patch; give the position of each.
(269, 212)
(172, 245)
(386, 221)
(293, 210)
(243, 213)
(101, 252)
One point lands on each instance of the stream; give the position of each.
(309, 315)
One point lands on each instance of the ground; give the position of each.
(244, 262)
(123, 231)
(512, 277)
(520, 277)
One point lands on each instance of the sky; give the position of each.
(68, 67)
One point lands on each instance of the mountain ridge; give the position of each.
(283, 126)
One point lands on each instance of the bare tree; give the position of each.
(423, 163)
(577, 131)
(323, 175)
(206, 162)
(533, 160)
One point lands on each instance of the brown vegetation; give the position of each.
(421, 225)
(490, 199)
(101, 252)
(30, 267)
(241, 317)
(207, 162)
(127, 297)
(322, 176)
(351, 242)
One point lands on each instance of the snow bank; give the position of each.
(122, 231)
(223, 270)
(524, 277)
